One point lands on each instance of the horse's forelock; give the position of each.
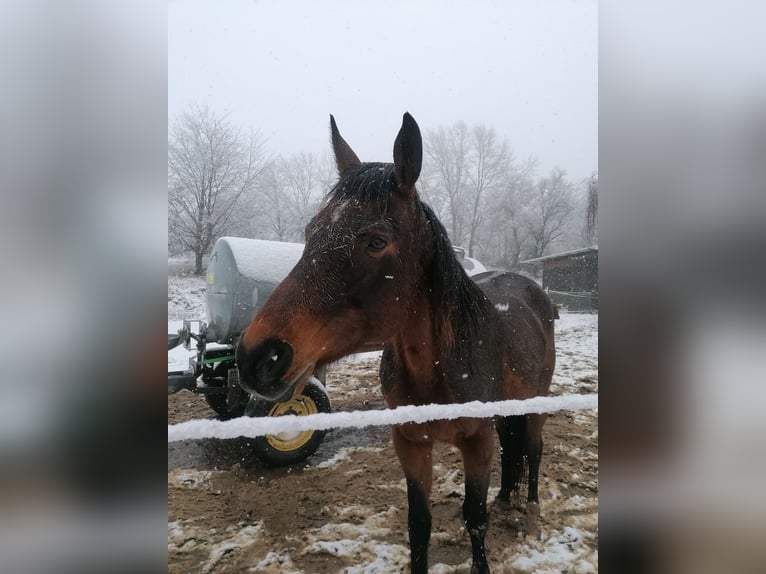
(368, 183)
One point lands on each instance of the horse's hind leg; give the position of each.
(534, 447)
(415, 458)
(477, 453)
(510, 431)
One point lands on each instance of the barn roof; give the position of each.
(564, 254)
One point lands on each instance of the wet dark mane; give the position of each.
(460, 303)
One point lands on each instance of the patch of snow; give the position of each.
(183, 537)
(282, 562)
(344, 453)
(558, 553)
(178, 358)
(358, 543)
(186, 478)
(175, 531)
(576, 354)
(239, 538)
(186, 298)
(449, 483)
(361, 357)
(265, 261)
(577, 502)
(445, 569)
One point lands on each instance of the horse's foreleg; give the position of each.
(477, 453)
(510, 431)
(415, 458)
(534, 447)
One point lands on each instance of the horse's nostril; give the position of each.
(278, 355)
(262, 368)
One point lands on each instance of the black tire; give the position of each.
(223, 409)
(281, 450)
(230, 404)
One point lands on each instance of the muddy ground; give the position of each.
(344, 509)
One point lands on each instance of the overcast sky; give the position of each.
(527, 68)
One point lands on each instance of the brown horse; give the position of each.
(378, 268)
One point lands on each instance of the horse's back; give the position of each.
(528, 315)
(500, 286)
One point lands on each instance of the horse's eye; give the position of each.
(377, 244)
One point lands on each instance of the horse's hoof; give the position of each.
(502, 504)
(476, 569)
(531, 526)
(508, 503)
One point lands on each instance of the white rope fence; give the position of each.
(253, 427)
(581, 294)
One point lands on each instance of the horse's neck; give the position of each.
(416, 343)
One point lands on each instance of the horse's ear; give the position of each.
(345, 158)
(408, 153)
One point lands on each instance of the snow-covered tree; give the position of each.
(463, 168)
(212, 168)
(551, 203)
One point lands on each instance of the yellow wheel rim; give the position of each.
(289, 441)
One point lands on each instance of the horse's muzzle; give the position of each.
(262, 369)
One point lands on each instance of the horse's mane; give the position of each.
(460, 303)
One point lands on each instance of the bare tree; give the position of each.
(463, 168)
(291, 193)
(432, 193)
(551, 205)
(446, 155)
(490, 162)
(212, 166)
(507, 233)
(273, 220)
(304, 174)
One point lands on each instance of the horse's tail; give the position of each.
(542, 304)
(547, 311)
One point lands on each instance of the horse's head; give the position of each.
(355, 280)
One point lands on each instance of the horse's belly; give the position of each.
(398, 390)
(516, 386)
(452, 432)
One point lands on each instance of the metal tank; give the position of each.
(241, 275)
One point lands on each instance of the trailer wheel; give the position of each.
(223, 408)
(230, 404)
(290, 448)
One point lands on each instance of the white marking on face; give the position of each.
(337, 211)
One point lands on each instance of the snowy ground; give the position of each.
(345, 509)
